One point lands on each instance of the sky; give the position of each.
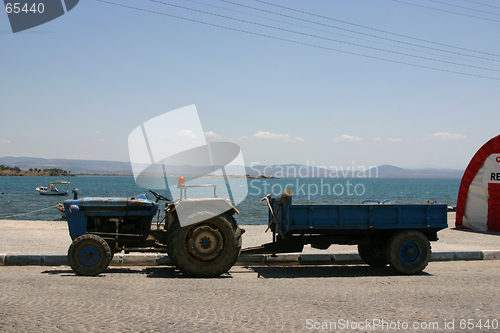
(325, 82)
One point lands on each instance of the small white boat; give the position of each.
(60, 208)
(51, 189)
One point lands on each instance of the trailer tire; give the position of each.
(409, 252)
(206, 249)
(89, 255)
(374, 254)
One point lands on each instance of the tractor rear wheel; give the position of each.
(205, 249)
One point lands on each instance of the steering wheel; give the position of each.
(159, 196)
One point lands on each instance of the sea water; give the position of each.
(18, 194)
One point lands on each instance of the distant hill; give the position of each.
(75, 166)
(279, 171)
(383, 171)
(391, 171)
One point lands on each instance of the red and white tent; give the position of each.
(478, 203)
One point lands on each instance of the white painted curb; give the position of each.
(491, 255)
(469, 255)
(154, 259)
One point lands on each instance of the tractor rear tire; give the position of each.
(89, 255)
(205, 249)
(171, 233)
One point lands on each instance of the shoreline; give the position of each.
(216, 176)
(29, 174)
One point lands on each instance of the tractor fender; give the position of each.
(190, 211)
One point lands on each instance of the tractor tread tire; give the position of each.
(192, 267)
(98, 246)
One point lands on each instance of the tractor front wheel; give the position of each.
(89, 255)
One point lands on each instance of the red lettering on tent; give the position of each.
(494, 207)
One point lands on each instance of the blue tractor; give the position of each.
(206, 244)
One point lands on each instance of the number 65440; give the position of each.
(16, 8)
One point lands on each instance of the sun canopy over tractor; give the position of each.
(478, 203)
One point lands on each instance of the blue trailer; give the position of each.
(393, 234)
(397, 235)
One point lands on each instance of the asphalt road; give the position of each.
(447, 297)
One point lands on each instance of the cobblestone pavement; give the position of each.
(255, 299)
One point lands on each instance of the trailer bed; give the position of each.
(398, 235)
(334, 219)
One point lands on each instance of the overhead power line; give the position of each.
(374, 29)
(297, 42)
(349, 36)
(446, 11)
(483, 4)
(321, 37)
(357, 32)
(462, 7)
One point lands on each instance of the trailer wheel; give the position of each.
(205, 249)
(409, 252)
(89, 255)
(374, 254)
